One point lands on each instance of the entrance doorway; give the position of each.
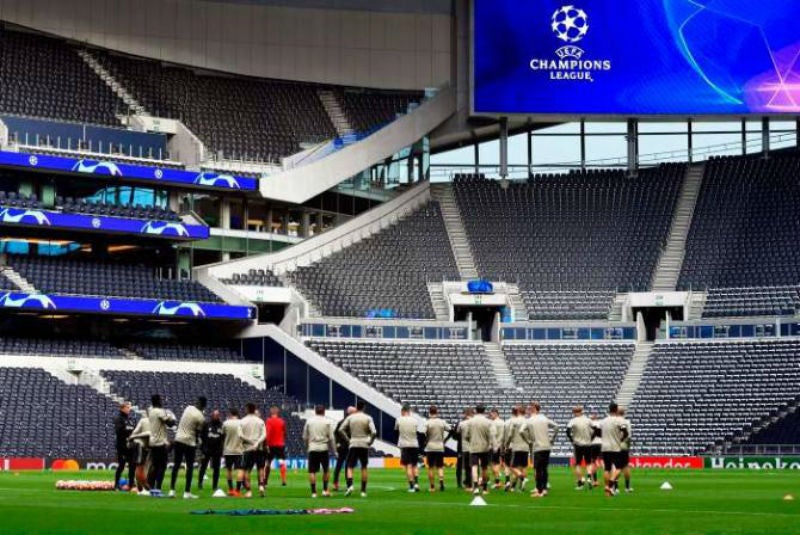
(483, 317)
(654, 316)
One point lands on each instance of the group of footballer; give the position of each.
(486, 444)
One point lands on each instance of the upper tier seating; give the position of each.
(183, 351)
(106, 279)
(697, 394)
(367, 110)
(255, 277)
(222, 391)
(245, 118)
(40, 416)
(388, 270)
(745, 225)
(57, 347)
(584, 231)
(768, 301)
(44, 77)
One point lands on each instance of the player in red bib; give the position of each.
(276, 443)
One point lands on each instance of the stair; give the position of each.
(135, 107)
(499, 365)
(465, 261)
(668, 269)
(440, 305)
(336, 114)
(615, 314)
(697, 303)
(312, 311)
(19, 280)
(634, 374)
(517, 303)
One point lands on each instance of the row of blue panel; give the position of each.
(322, 330)
(734, 330)
(569, 333)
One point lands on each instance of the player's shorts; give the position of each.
(481, 459)
(276, 452)
(358, 456)
(596, 452)
(519, 459)
(318, 460)
(583, 454)
(497, 456)
(409, 456)
(254, 459)
(624, 459)
(613, 459)
(234, 462)
(435, 459)
(139, 454)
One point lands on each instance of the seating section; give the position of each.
(745, 225)
(181, 351)
(367, 110)
(44, 77)
(389, 270)
(108, 279)
(19, 200)
(786, 430)
(697, 395)
(563, 375)
(254, 277)
(244, 118)
(40, 416)
(766, 301)
(222, 391)
(597, 231)
(92, 207)
(451, 376)
(58, 347)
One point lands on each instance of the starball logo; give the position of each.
(570, 25)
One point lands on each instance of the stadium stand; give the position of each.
(594, 232)
(452, 376)
(386, 271)
(696, 395)
(92, 207)
(764, 301)
(40, 416)
(562, 375)
(255, 277)
(19, 200)
(222, 391)
(745, 225)
(367, 110)
(57, 347)
(185, 351)
(785, 430)
(108, 279)
(44, 77)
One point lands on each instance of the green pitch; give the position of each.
(702, 502)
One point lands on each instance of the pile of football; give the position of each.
(85, 485)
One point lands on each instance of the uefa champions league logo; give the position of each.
(570, 24)
(105, 304)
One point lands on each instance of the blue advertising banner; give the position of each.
(122, 306)
(172, 230)
(204, 179)
(636, 57)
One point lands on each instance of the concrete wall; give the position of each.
(370, 49)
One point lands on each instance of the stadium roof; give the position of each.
(385, 6)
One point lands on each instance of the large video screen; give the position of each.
(636, 57)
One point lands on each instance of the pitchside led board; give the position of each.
(595, 58)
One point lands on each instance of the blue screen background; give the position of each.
(669, 57)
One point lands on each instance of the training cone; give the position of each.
(666, 486)
(478, 501)
(219, 493)
(788, 498)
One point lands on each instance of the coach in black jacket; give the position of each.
(123, 427)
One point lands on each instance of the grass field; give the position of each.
(702, 502)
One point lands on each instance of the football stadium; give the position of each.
(399, 266)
